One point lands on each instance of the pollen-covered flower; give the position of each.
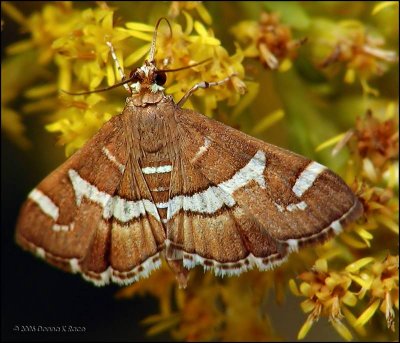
(377, 140)
(84, 55)
(349, 44)
(328, 293)
(55, 20)
(79, 120)
(268, 40)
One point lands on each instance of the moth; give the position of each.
(159, 181)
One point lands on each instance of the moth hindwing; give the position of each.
(161, 180)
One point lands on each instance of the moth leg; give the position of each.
(203, 85)
(117, 65)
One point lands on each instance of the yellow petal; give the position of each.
(352, 319)
(307, 305)
(95, 81)
(367, 314)
(247, 99)
(350, 76)
(390, 111)
(189, 23)
(362, 282)
(321, 265)
(305, 328)
(351, 241)
(293, 287)
(138, 34)
(285, 65)
(20, 46)
(41, 91)
(203, 13)
(208, 40)
(389, 223)
(12, 126)
(269, 120)
(364, 233)
(139, 27)
(356, 266)
(137, 55)
(330, 142)
(382, 5)
(342, 330)
(166, 324)
(349, 299)
(13, 12)
(110, 74)
(305, 288)
(200, 29)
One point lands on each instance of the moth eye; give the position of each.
(134, 75)
(160, 78)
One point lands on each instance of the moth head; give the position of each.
(147, 77)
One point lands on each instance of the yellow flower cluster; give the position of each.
(76, 41)
(329, 293)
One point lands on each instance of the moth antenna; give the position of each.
(186, 67)
(101, 89)
(153, 43)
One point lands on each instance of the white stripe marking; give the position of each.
(122, 209)
(202, 150)
(157, 170)
(298, 206)
(292, 207)
(45, 203)
(307, 178)
(159, 189)
(58, 227)
(215, 197)
(112, 158)
(208, 201)
(48, 207)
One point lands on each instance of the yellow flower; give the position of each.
(56, 20)
(83, 52)
(79, 120)
(327, 294)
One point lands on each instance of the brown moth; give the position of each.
(162, 181)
